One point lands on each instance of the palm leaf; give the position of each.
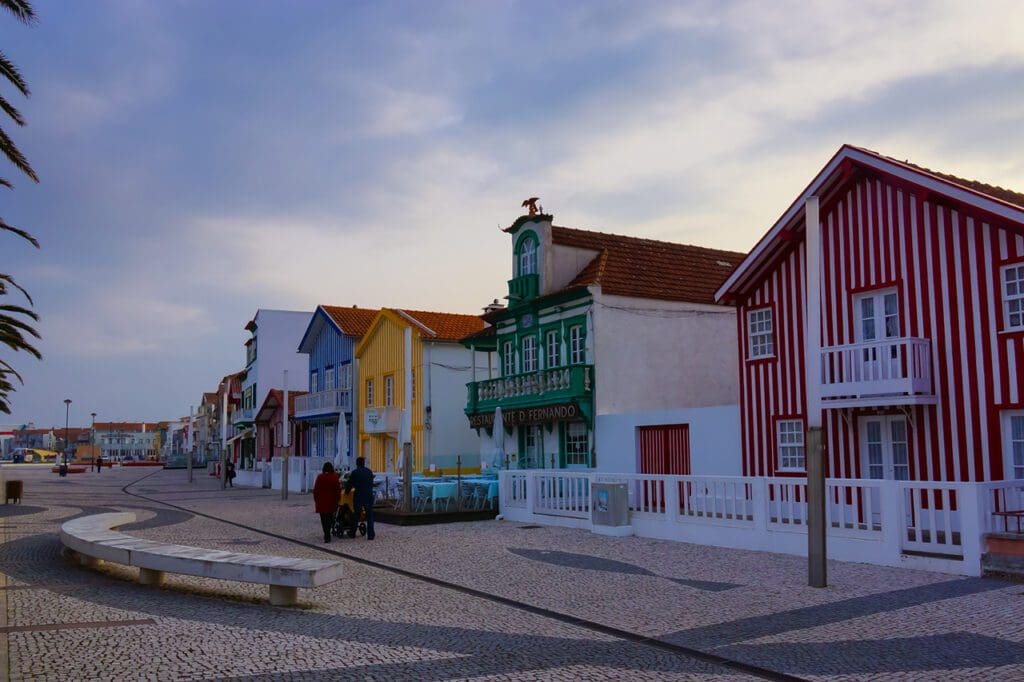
(9, 71)
(21, 9)
(10, 280)
(4, 227)
(11, 111)
(6, 183)
(15, 156)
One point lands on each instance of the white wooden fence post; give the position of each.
(971, 502)
(531, 492)
(672, 498)
(894, 518)
(759, 501)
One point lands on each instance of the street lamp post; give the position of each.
(67, 414)
(92, 439)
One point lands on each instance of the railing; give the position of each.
(522, 288)
(1002, 496)
(562, 495)
(243, 414)
(334, 400)
(534, 388)
(932, 525)
(887, 367)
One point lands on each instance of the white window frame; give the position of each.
(508, 360)
(329, 442)
(572, 442)
(529, 354)
(761, 333)
(313, 443)
(369, 392)
(1010, 468)
(389, 390)
(577, 345)
(553, 350)
(790, 451)
(313, 381)
(328, 378)
(528, 256)
(1011, 278)
(345, 377)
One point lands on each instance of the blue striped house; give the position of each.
(330, 341)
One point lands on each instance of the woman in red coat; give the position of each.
(326, 491)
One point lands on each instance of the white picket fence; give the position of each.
(926, 525)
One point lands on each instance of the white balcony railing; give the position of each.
(334, 400)
(888, 367)
(243, 415)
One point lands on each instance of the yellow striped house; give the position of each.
(412, 360)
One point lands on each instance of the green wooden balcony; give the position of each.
(544, 387)
(523, 288)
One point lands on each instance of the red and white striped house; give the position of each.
(921, 363)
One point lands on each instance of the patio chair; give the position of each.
(491, 496)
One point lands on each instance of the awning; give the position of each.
(243, 434)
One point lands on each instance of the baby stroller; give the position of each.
(343, 519)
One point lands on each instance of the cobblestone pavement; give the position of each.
(63, 622)
(754, 607)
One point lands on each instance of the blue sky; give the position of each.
(202, 159)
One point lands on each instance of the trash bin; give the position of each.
(12, 491)
(609, 509)
(63, 470)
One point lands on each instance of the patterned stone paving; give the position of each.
(753, 607)
(371, 625)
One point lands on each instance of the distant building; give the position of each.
(121, 441)
(268, 354)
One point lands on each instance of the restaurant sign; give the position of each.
(527, 415)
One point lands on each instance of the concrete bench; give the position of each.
(92, 539)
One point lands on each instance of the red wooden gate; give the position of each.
(664, 449)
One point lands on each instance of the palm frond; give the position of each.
(15, 156)
(6, 183)
(20, 310)
(11, 111)
(4, 227)
(9, 71)
(21, 9)
(10, 280)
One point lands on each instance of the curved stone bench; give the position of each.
(92, 539)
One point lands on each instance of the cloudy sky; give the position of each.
(202, 159)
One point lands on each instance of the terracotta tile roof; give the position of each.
(645, 268)
(444, 326)
(209, 397)
(1000, 193)
(355, 321)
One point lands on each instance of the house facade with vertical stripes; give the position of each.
(328, 408)
(922, 327)
(411, 362)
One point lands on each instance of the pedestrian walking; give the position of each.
(326, 491)
(229, 473)
(361, 479)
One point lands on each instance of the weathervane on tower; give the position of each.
(532, 206)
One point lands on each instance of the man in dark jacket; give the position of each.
(361, 479)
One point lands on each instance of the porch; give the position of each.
(936, 526)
